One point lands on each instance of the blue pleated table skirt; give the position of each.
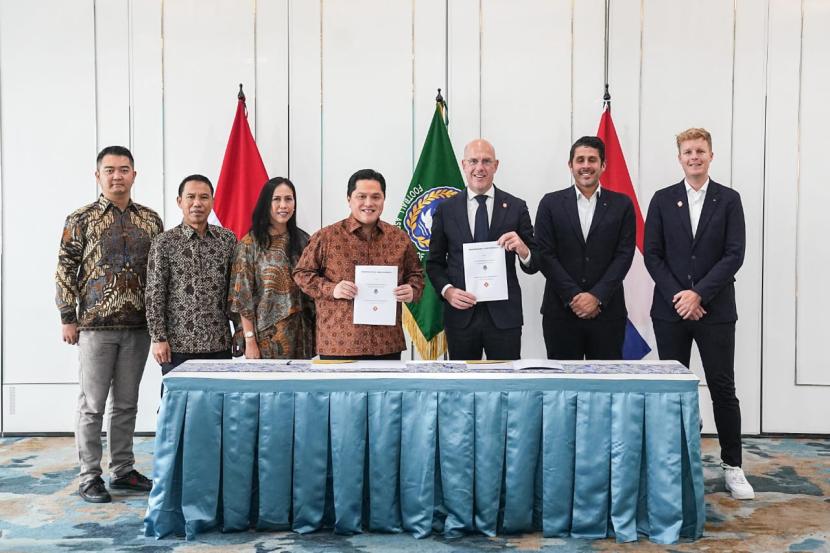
(586, 458)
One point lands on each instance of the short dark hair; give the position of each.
(115, 151)
(594, 142)
(197, 178)
(365, 174)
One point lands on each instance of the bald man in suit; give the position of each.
(480, 213)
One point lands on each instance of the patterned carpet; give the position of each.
(40, 510)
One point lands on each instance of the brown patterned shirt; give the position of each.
(263, 291)
(331, 256)
(102, 265)
(187, 289)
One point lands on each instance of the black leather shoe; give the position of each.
(133, 480)
(94, 491)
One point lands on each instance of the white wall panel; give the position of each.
(23, 407)
(147, 108)
(361, 101)
(463, 94)
(787, 407)
(625, 55)
(48, 124)
(747, 171)
(588, 54)
(112, 73)
(813, 251)
(686, 82)
(305, 116)
(208, 51)
(429, 45)
(270, 126)
(525, 104)
(149, 397)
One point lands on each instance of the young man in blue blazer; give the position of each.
(695, 239)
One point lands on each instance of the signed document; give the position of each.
(375, 302)
(485, 271)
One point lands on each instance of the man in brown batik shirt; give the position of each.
(101, 276)
(326, 272)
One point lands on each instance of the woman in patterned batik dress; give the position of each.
(277, 318)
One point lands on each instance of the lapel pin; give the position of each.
(504, 205)
(679, 203)
(714, 199)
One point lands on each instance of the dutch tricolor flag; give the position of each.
(639, 337)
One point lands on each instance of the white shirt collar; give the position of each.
(491, 193)
(691, 190)
(580, 195)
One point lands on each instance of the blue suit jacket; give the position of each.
(706, 262)
(572, 264)
(445, 262)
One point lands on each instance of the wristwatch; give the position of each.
(249, 334)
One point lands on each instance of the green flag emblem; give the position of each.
(436, 178)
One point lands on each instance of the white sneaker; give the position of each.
(736, 482)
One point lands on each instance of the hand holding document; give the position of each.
(485, 271)
(375, 302)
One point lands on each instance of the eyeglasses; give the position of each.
(486, 162)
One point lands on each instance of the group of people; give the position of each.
(124, 285)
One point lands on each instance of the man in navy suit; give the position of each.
(480, 213)
(694, 244)
(586, 238)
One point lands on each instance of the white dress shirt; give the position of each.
(696, 199)
(472, 208)
(586, 208)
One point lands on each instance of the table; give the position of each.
(591, 451)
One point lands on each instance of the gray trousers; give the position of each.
(109, 359)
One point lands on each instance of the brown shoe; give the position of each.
(133, 480)
(94, 491)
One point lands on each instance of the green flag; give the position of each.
(436, 178)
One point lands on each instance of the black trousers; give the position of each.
(481, 335)
(569, 339)
(386, 357)
(716, 343)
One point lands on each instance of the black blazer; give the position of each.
(705, 263)
(572, 264)
(445, 262)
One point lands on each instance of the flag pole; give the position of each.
(440, 100)
(606, 99)
(445, 111)
(241, 96)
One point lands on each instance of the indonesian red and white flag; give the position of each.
(241, 178)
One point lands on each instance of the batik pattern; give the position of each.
(102, 265)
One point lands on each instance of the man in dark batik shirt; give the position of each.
(187, 283)
(102, 268)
